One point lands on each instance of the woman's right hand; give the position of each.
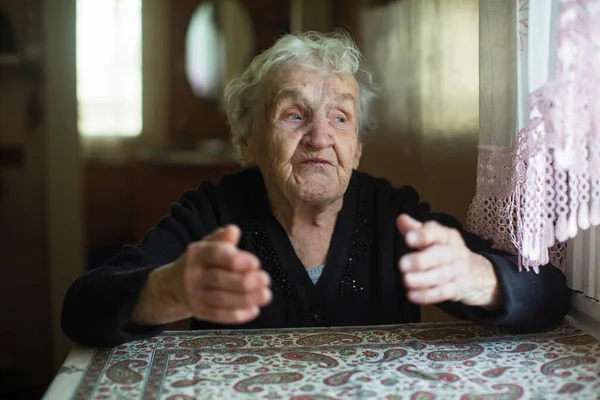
(212, 281)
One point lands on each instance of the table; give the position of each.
(454, 360)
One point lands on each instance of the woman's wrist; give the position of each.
(160, 302)
(486, 286)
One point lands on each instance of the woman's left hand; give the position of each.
(442, 268)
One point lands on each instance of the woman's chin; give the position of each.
(319, 191)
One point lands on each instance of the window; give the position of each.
(583, 275)
(109, 67)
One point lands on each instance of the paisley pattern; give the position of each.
(566, 363)
(390, 355)
(339, 379)
(523, 348)
(266, 379)
(495, 372)
(431, 335)
(181, 360)
(331, 338)
(323, 361)
(422, 396)
(239, 361)
(462, 352)
(417, 362)
(509, 392)
(123, 373)
(578, 340)
(570, 388)
(187, 382)
(412, 372)
(416, 346)
(213, 341)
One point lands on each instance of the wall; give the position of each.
(108, 204)
(62, 167)
(123, 201)
(40, 204)
(25, 340)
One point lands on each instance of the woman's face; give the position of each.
(306, 142)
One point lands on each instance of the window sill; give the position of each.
(188, 157)
(123, 150)
(108, 150)
(585, 314)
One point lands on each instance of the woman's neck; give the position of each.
(309, 225)
(298, 216)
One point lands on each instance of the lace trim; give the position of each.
(554, 189)
(493, 214)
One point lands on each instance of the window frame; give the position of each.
(583, 266)
(155, 99)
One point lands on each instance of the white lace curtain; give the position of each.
(539, 159)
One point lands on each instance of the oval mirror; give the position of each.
(219, 45)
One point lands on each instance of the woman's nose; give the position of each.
(319, 135)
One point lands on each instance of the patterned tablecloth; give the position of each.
(419, 361)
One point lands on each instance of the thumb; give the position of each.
(406, 223)
(229, 234)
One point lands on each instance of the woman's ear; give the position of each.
(358, 154)
(247, 153)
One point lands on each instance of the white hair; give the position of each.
(334, 52)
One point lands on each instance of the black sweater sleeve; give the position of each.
(98, 306)
(530, 301)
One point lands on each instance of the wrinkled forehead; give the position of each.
(299, 83)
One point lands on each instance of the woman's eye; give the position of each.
(293, 117)
(340, 119)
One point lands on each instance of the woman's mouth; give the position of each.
(316, 161)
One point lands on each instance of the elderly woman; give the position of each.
(300, 238)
